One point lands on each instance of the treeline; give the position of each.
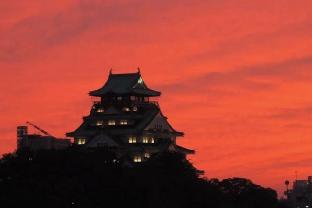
(95, 179)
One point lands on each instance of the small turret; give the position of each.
(22, 132)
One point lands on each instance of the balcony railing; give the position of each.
(138, 103)
(145, 103)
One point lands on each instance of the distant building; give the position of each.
(38, 142)
(300, 196)
(127, 120)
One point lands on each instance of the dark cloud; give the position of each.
(229, 45)
(260, 77)
(292, 113)
(286, 163)
(297, 126)
(114, 21)
(36, 34)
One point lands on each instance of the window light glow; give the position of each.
(137, 159)
(132, 139)
(135, 108)
(152, 140)
(81, 141)
(147, 155)
(126, 109)
(145, 139)
(99, 123)
(123, 122)
(100, 110)
(111, 122)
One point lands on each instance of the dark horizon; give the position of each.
(234, 75)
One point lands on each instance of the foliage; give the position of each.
(94, 178)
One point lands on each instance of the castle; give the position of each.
(127, 120)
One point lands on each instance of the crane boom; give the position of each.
(40, 129)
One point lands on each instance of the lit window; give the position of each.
(123, 122)
(152, 140)
(147, 155)
(137, 159)
(111, 122)
(119, 98)
(99, 123)
(135, 108)
(132, 98)
(145, 139)
(132, 139)
(81, 141)
(100, 110)
(126, 109)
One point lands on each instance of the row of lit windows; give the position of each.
(121, 98)
(112, 122)
(100, 110)
(132, 98)
(138, 158)
(134, 108)
(145, 139)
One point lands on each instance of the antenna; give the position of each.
(287, 184)
(286, 193)
(296, 174)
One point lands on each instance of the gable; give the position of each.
(139, 84)
(159, 122)
(102, 140)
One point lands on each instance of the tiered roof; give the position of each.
(125, 84)
(147, 119)
(143, 121)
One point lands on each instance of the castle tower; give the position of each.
(22, 132)
(127, 120)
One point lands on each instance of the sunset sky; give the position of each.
(235, 75)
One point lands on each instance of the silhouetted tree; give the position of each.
(95, 178)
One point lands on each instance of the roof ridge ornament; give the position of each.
(139, 70)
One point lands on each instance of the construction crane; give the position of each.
(40, 129)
